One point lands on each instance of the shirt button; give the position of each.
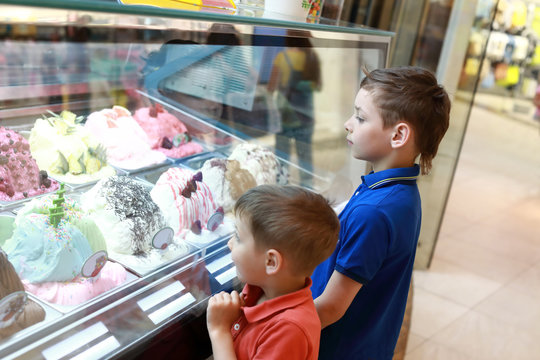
(236, 327)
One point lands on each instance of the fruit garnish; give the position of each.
(192, 185)
(198, 176)
(63, 167)
(99, 152)
(166, 143)
(44, 179)
(180, 139)
(155, 110)
(186, 192)
(81, 163)
(65, 122)
(196, 227)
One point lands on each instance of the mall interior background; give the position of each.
(485, 53)
(476, 280)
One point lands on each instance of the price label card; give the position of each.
(99, 350)
(93, 265)
(77, 341)
(160, 313)
(171, 308)
(219, 263)
(163, 238)
(161, 295)
(226, 276)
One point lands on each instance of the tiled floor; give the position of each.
(480, 299)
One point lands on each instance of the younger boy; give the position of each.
(361, 291)
(282, 234)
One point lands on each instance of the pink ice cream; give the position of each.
(186, 201)
(126, 142)
(165, 132)
(19, 174)
(79, 289)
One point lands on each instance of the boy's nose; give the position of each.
(346, 125)
(229, 243)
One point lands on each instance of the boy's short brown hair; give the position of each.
(412, 94)
(300, 224)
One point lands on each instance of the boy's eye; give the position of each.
(360, 119)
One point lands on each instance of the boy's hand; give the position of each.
(223, 310)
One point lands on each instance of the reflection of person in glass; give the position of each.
(295, 75)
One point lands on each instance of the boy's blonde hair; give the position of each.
(298, 223)
(412, 94)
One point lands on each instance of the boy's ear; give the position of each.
(273, 261)
(401, 135)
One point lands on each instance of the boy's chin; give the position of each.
(240, 277)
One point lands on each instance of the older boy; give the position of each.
(283, 233)
(361, 291)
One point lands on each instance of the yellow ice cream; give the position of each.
(67, 151)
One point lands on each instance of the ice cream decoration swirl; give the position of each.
(56, 211)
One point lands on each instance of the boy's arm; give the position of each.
(223, 310)
(336, 298)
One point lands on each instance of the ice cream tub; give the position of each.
(60, 254)
(166, 132)
(137, 235)
(127, 145)
(20, 177)
(50, 315)
(189, 207)
(63, 147)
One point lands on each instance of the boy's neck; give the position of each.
(397, 160)
(282, 287)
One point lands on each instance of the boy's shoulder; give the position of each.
(295, 306)
(383, 194)
(394, 194)
(304, 318)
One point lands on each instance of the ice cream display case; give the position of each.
(126, 135)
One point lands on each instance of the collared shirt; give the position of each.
(286, 327)
(380, 226)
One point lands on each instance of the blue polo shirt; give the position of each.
(379, 232)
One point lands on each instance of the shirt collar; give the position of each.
(380, 178)
(270, 307)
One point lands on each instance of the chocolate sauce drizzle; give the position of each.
(131, 200)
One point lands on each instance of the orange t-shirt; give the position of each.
(286, 327)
